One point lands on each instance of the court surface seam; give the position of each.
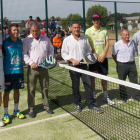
(34, 122)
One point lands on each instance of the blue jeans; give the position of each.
(75, 77)
(55, 49)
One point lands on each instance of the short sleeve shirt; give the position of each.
(97, 38)
(13, 62)
(123, 52)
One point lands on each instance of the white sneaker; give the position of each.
(108, 101)
(1, 122)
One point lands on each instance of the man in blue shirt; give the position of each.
(6, 34)
(13, 71)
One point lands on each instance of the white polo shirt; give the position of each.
(71, 48)
(123, 52)
(1, 60)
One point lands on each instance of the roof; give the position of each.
(122, 1)
(132, 18)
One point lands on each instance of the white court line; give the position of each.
(38, 121)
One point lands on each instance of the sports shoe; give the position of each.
(18, 114)
(50, 111)
(78, 108)
(6, 118)
(108, 101)
(1, 122)
(95, 109)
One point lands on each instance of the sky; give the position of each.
(22, 9)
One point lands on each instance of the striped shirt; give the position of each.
(123, 52)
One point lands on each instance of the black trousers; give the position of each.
(75, 77)
(124, 70)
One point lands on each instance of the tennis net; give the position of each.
(118, 121)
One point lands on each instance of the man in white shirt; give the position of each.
(74, 48)
(124, 56)
(36, 47)
(1, 77)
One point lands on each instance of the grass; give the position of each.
(121, 121)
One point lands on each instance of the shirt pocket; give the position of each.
(44, 47)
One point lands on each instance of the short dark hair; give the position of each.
(30, 16)
(75, 22)
(13, 25)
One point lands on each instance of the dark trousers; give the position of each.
(75, 77)
(32, 76)
(124, 70)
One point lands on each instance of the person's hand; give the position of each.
(101, 58)
(75, 62)
(34, 65)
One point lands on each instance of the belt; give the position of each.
(130, 62)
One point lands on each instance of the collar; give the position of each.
(124, 43)
(97, 30)
(74, 38)
(31, 36)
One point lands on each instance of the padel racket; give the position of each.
(48, 63)
(89, 59)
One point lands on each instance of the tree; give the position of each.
(75, 17)
(97, 9)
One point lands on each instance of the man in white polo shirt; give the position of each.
(74, 48)
(1, 77)
(124, 56)
(36, 47)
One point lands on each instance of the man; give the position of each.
(36, 47)
(13, 71)
(52, 24)
(98, 39)
(136, 39)
(30, 20)
(5, 26)
(123, 54)
(1, 77)
(56, 43)
(6, 34)
(74, 48)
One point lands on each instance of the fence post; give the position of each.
(116, 26)
(46, 9)
(84, 16)
(1, 3)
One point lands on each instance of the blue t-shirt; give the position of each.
(52, 23)
(6, 35)
(12, 61)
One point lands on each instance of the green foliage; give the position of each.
(100, 10)
(63, 22)
(134, 25)
(75, 17)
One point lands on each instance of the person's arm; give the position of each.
(26, 57)
(102, 57)
(65, 53)
(114, 53)
(51, 48)
(135, 43)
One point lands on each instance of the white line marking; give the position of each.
(38, 121)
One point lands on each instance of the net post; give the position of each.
(84, 16)
(116, 27)
(1, 3)
(46, 9)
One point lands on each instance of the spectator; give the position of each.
(39, 22)
(6, 34)
(5, 26)
(56, 43)
(52, 24)
(45, 33)
(30, 20)
(57, 23)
